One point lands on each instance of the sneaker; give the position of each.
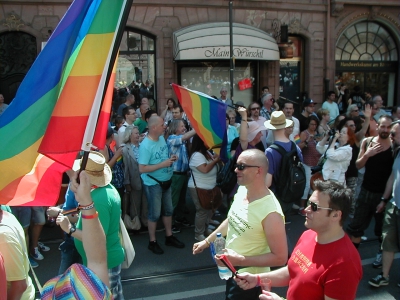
(43, 247)
(200, 237)
(295, 206)
(33, 262)
(379, 280)
(214, 222)
(175, 229)
(377, 264)
(37, 255)
(398, 284)
(211, 227)
(302, 212)
(174, 242)
(155, 248)
(208, 231)
(183, 222)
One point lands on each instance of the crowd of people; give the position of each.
(348, 150)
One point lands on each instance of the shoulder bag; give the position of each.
(209, 199)
(126, 243)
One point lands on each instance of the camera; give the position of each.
(332, 132)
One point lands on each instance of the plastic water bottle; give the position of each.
(219, 244)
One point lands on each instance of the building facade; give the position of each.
(293, 47)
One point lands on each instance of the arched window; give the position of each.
(136, 62)
(366, 41)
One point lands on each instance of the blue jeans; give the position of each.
(69, 255)
(159, 202)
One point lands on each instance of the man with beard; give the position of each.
(376, 156)
(391, 222)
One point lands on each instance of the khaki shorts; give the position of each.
(391, 229)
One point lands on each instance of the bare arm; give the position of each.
(93, 244)
(387, 193)
(200, 246)
(278, 278)
(16, 289)
(364, 155)
(188, 135)
(303, 138)
(243, 128)
(361, 133)
(114, 159)
(205, 168)
(164, 112)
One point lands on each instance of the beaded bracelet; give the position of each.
(86, 207)
(90, 216)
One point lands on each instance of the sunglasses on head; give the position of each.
(315, 206)
(241, 167)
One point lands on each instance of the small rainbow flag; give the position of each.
(206, 115)
(56, 108)
(296, 139)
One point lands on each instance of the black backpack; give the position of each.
(226, 177)
(290, 185)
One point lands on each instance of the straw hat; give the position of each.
(253, 130)
(278, 121)
(96, 168)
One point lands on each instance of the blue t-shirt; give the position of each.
(152, 153)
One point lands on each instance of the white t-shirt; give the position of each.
(203, 180)
(333, 109)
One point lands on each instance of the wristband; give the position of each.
(258, 281)
(207, 241)
(96, 215)
(386, 200)
(244, 121)
(86, 207)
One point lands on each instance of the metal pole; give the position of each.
(231, 47)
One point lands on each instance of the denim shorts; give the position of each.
(159, 202)
(26, 214)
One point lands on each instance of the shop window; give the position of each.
(367, 41)
(136, 63)
(210, 77)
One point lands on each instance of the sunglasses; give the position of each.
(354, 110)
(255, 108)
(242, 167)
(315, 206)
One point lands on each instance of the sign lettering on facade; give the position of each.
(237, 52)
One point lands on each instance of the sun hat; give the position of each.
(253, 129)
(96, 168)
(278, 121)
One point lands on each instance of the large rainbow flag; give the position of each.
(206, 115)
(56, 108)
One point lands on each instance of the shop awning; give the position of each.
(211, 41)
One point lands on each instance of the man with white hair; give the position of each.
(224, 98)
(267, 103)
(378, 101)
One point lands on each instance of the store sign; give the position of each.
(223, 52)
(363, 65)
(244, 53)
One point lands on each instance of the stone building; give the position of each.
(293, 47)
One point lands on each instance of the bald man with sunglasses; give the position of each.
(254, 229)
(324, 264)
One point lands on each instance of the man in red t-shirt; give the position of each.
(324, 264)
